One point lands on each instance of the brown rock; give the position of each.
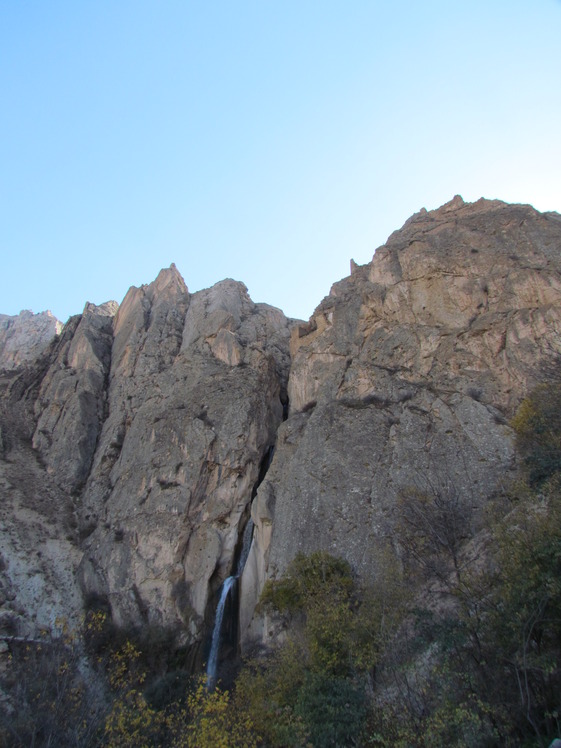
(70, 407)
(193, 407)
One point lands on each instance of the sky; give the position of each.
(269, 142)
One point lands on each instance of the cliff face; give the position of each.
(131, 450)
(404, 380)
(193, 402)
(143, 430)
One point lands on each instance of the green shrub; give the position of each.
(537, 425)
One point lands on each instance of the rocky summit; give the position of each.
(137, 441)
(25, 337)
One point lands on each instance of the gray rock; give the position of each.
(131, 449)
(193, 407)
(23, 338)
(39, 554)
(70, 406)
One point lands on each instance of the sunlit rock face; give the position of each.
(71, 403)
(132, 452)
(193, 404)
(23, 338)
(405, 378)
(51, 411)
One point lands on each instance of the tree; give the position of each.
(213, 722)
(51, 701)
(480, 662)
(537, 425)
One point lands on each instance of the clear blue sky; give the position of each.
(265, 141)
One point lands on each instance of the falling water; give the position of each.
(226, 587)
(215, 645)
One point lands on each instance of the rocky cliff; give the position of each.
(135, 447)
(136, 442)
(404, 380)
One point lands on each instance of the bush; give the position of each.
(312, 690)
(333, 709)
(537, 425)
(481, 664)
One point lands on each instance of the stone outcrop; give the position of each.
(39, 553)
(25, 337)
(405, 379)
(39, 556)
(70, 407)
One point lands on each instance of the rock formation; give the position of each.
(70, 407)
(194, 402)
(134, 448)
(149, 423)
(23, 338)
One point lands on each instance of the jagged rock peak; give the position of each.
(169, 281)
(464, 268)
(458, 210)
(195, 394)
(167, 288)
(168, 277)
(25, 336)
(107, 309)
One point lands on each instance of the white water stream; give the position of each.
(229, 582)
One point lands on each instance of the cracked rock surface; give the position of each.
(148, 423)
(26, 336)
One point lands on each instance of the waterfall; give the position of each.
(229, 582)
(215, 645)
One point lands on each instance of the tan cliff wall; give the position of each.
(189, 424)
(25, 337)
(149, 422)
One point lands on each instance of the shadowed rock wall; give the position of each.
(150, 422)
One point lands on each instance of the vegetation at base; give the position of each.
(50, 702)
(460, 644)
(313, 689)
(60, 698)
(478, 663)
(456, 642)
(537, 425)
